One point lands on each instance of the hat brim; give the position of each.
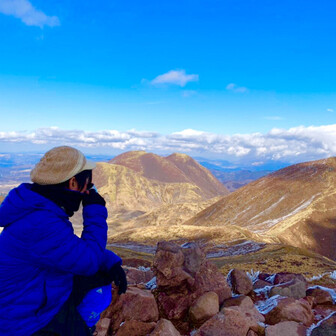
(89, 165)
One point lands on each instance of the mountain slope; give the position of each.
(135, 201)
(176, 168)
(295, 205)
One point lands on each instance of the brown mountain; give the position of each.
(144, 190)
(176, 168)
(295, 205)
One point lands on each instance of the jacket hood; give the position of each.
(22, 201)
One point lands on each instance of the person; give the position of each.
(53, 282)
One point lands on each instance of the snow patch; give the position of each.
(270, 223)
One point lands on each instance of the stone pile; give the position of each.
(191, 297)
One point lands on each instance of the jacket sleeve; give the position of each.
(59, 248)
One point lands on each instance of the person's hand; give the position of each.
(92, 197)
(118, 276)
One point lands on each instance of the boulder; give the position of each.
(321, 297)
(135, 328)
(251, 333)
(240, 282)
(102, 327)
(288, 328)
(135, 304)
(326, 328)
(165, 328)
(204, 307)
(261, 284)
(229, 322)
(246, 306)
(294, 288)
(283, 277)
(168, 265)
(183, 275)
(289, 309)
(138, 275)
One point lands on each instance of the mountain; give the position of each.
(176, 168)
(295, 206)
(146, 190)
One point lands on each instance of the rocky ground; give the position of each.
(183, 293)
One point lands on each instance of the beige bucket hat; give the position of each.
(60, 164)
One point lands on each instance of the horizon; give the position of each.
(236, 80)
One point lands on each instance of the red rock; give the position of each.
(194, 257)
(134, 262)
(294, 288)
(102, 327)
(251, 333)
(135, 328)
(283, 277)
(135, 304)
(205, 307)
(240, 282)
(289, 309)
(183, 275)
(165, 328)
(321, 297)
(261, 284)
(228, 323)
(288, 328)
(209, 279)
(247, 307)
(137, 276)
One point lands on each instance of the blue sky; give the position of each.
(233, 79)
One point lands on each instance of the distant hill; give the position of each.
(295, 205)
(143, 189)
(176, 168)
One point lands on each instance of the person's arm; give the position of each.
(59, 248)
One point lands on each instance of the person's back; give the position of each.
(40, 257)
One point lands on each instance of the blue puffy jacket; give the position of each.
(39, 254)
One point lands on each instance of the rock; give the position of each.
(251, 333)
(321, 297)
(165, 328)
(246, 306)
(230, 322)
(261, 284)
(326, 328)
(137, 276)
(240, 282)
(288, 328)
(294, 288)
(134, 262)
(102, 327)
(135, 304)
(289, 309)
(193, 258)
(209, 279)
(264, 276)
(283, 277)
(205, 307)
(183, 275)
(135, 328)
(168, 265)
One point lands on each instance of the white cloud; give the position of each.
(25, 11)
(292, 145)
(235, 88)
(330, 110)
(175, 77)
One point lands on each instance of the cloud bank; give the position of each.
(25, 11)
(175, 77)
(293, 145)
